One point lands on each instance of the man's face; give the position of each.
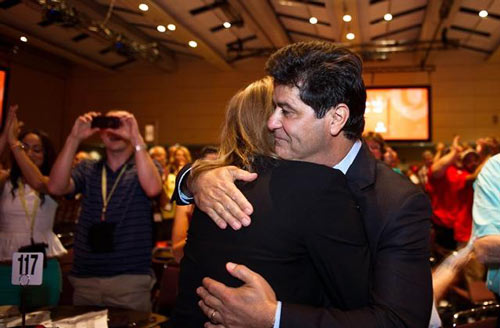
(111, 140)
(298, 134)
(160, 155)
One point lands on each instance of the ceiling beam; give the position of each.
(166, 60)
(494, 58)
(159, 14)
(438, 15)
(261, 17)
(40, 42)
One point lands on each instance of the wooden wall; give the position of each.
(187, 106)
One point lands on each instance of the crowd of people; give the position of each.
(301, 244)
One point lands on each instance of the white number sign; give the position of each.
(27, 269)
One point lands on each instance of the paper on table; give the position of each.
(33, 318)
(97, 319)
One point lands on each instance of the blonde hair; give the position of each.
(173, 166)
(244, 135)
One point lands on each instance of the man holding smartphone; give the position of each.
(113, 240)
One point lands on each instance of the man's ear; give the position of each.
(338, 117)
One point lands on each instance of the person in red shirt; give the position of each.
(450, 189)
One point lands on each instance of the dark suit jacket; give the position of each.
(396, 217)
(306, 239)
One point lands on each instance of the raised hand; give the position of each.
(11, 125)
(129, 129)
(82, 128)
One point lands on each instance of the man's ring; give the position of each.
(212, 315)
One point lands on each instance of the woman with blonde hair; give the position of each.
(305, 222)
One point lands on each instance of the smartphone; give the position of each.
(106, 122)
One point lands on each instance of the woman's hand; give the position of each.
(12, 126)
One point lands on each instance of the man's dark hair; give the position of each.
(326, 75)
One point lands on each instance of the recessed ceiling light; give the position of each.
(143, 7)
(347, 18)
(171, 27)
(193, 44)
(350, 36)
(226, 24)
(387, 17)
(161, 28)
(23, 39)
(483, 13)
(313, 20)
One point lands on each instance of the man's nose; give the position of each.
(273, 122)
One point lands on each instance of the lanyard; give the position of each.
(104, 187)
(30, 216)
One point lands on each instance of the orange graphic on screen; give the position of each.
(398, 114)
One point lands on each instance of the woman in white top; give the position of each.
(27, 213)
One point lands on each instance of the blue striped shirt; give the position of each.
(129, 208)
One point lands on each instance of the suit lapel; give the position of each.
(362, 172)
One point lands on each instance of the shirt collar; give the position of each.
(346, 162)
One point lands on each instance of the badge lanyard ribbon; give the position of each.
(104, 186)
(30, 216)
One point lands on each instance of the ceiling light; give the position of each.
(347, 18)
(171, 27)
(161, 28)
(313, 20)
(193, 44)
(226, 24)
(23, 39)
(143, 7)
(483, 13)
(350, 36)
(387, 17)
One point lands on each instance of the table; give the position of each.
(117, 318)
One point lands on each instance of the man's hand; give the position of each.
(216, 194)
(252, 305)
(82, 127)
(129, 129)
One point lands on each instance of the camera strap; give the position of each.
(31, 217)
(104, 186)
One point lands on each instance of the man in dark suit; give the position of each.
(395, 213)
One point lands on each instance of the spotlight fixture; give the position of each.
(143, 7)
(161, 28)
(387, 17)
(347, 18)
(313, 20)
(23, 39)
(350, 36)
(193, 44)
(483, 13)
(226, 24)
(171, 27)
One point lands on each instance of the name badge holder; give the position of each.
(27, 270)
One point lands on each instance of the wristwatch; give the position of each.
(140, 147)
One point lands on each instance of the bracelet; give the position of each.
(140, 147)
(17, 145)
